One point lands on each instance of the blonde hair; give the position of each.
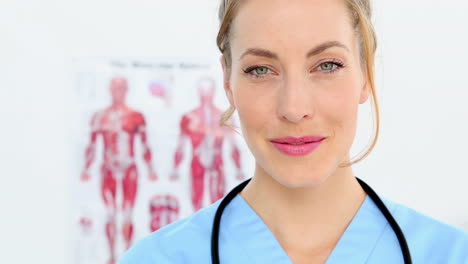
(361, 14)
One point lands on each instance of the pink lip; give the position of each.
(285, 145)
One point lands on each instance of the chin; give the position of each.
(300, 178)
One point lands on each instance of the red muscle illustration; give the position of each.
(200, 128)
(164, 209)
(118, 125)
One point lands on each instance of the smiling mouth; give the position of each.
(297, 140)
(299, 143)
(297, 146)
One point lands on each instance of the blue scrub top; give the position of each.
(244, 238)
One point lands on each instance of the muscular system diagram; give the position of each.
(200, 129)
(119, 126)
(164, 209)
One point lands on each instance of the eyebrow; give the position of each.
(314, 51)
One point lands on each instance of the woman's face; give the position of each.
(296, 81)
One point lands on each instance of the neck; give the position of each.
(306, 219)
(206, 104)
(117, 105)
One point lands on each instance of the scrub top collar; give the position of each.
(243, 226)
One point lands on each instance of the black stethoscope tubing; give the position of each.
(219, 212)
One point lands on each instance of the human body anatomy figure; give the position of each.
(119, 126)
(200, 128)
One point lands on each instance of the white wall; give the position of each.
(421, 157)
(419, 161)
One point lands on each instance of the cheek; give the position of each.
(256, 110)
(339, 108)
(255, 105)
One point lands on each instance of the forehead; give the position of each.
(297, 24)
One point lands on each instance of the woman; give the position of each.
(296, 72)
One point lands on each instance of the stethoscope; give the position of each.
(233, 193)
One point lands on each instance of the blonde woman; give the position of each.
(296, 72)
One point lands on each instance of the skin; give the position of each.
(306, 201)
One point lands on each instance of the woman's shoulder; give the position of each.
(429, 238)
(184, 239)
(422, 223)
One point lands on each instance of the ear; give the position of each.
(226, 81)
(366, 90)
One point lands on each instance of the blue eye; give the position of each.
(257, 71)
(261, 70)
(330, 66)
(327, 66)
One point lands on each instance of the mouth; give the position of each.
(297, 146)
(297, 140)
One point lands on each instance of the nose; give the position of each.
(295, 101)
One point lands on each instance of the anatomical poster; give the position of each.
(148, 149)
